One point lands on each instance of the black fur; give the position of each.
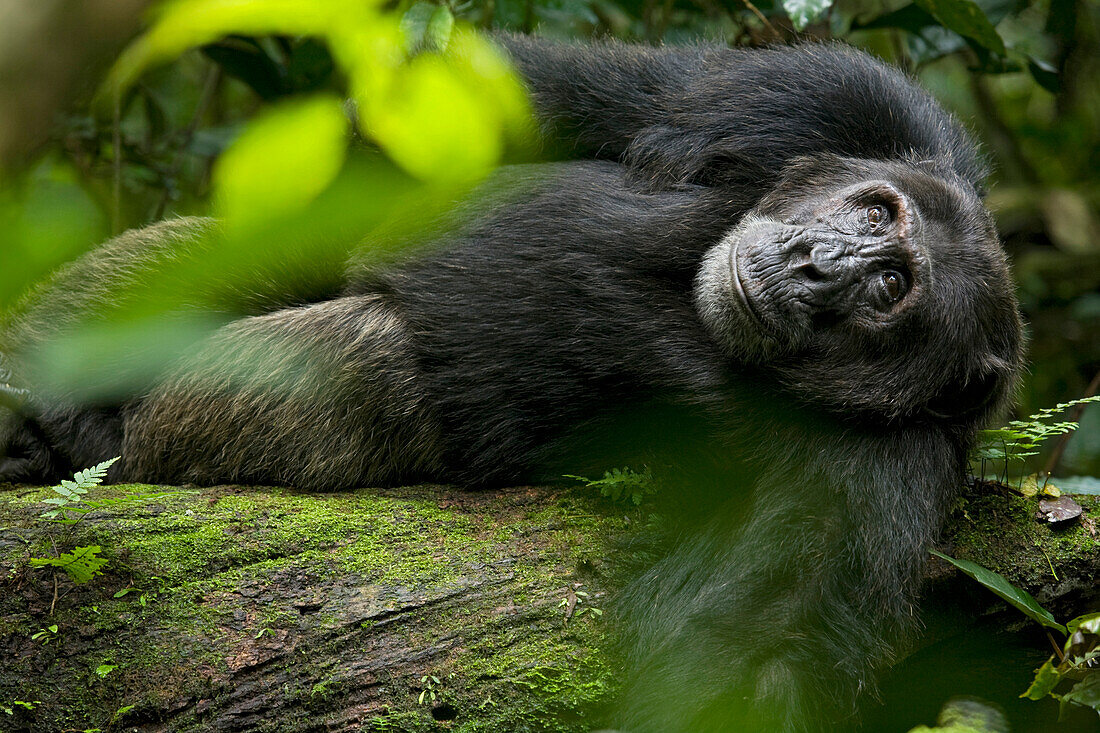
(715, 115)
(817, 429)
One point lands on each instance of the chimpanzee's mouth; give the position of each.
(739, 287)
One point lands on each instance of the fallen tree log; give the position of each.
(417, 609)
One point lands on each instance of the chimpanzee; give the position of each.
(774, 276)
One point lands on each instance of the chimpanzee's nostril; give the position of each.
(810, 271)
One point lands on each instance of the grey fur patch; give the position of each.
(324, 396)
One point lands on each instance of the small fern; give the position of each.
(70, 494)
(619, 484)
(72, 505)
(1021, 438)
(82, 564)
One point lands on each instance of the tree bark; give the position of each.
(416, 609)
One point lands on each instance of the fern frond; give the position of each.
(71, 493)
(93, 476)
(82, 564)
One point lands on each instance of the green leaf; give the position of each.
(435, 125)
(105, 669)
(804, 13)
(90, 477)
(1046, 679)
(439, 29)
(1089, 624)
(1086, 692)
(1045, 74)
(967, 19)
(81, 565)
(414, 24)
(997, 583)
(282, 161)
(427, 27)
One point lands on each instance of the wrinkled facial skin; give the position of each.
(869, 287)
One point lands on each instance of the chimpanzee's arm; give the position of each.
(711, 115)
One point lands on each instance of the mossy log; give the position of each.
(418, 609)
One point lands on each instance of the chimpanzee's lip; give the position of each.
(739, 287)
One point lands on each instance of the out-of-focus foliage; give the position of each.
(251, 120)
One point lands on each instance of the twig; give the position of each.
(1057, 649)
(1074, 416)
(54, 601)
(1049, 563)
(763, 19)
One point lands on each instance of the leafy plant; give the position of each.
(432, 689)
(121, 711)
(105, 669)
(73, 504)
(72, 500)
(574, 606)
(1072, 674)
(145, 595)
(81, 565)
(1021, 438)
(70, 494)
(45, 635)
(9, 709)
(1075, 668)
(620, 484)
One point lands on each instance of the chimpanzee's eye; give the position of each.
(894, 286)
(877, 216)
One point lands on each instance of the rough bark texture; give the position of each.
(271, 610)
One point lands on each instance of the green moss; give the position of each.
(205, 563)
(999, 531)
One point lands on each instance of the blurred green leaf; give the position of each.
(427, 27)
(997, 583)
(246, 60)
(967, 19)
(185, 24)
(436, 126)
(283, 160)
(806, 12)
(46, 219)
(1046, 679)
(445, 118)
(439, 29)
(1086, 693)
(414, 24)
